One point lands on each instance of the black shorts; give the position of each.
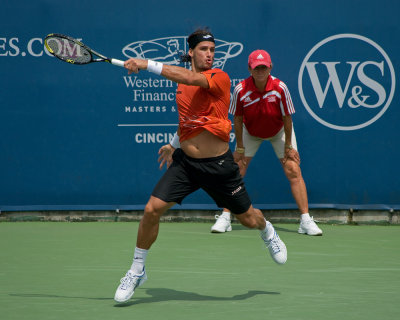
(219, 177)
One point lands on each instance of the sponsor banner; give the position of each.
(88, 136)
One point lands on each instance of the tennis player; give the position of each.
(203, 159)
(262, 109)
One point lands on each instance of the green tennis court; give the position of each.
(71, 270)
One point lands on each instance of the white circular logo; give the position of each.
(346, 82)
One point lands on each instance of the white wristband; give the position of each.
(154, 66)
(175, 141)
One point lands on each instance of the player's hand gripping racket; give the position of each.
(73, 51)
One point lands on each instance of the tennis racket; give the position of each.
(75, 52)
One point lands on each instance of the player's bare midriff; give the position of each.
(204, 145)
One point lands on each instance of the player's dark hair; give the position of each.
(199, 35)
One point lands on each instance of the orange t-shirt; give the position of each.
(205, 109)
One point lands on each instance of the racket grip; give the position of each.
(117, 62)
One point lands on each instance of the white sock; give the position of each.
(226, 213)
(305, 217)
(139, 258)
(268, 232)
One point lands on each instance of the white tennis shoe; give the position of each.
(276, 247)
(223, 223)
(128, 285)
(309, 227)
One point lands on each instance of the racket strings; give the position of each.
(68, 50)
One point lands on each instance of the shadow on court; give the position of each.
(163, 295)
(156, 295)
(285, 230)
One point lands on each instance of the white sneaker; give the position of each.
(223, 223)
(276, 248)
(128, 285)
(309, 227)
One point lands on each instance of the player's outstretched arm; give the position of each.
(173, 73)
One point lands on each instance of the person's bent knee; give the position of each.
(155, 208)
(292, 170)
(149, 210)
(252, 219)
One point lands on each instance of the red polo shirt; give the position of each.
(262, 111)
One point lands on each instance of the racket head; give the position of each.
(68, 49)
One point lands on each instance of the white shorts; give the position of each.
(252, 143)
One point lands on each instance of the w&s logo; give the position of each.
(346, 82)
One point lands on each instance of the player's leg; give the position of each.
(254, 219)
(226, 186)
(147, 234)
(149, 224)
(172, 188)
(252, 144)
(223, 221)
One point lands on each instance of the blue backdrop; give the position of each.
(86, 137)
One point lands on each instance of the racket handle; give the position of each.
(117, 62)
